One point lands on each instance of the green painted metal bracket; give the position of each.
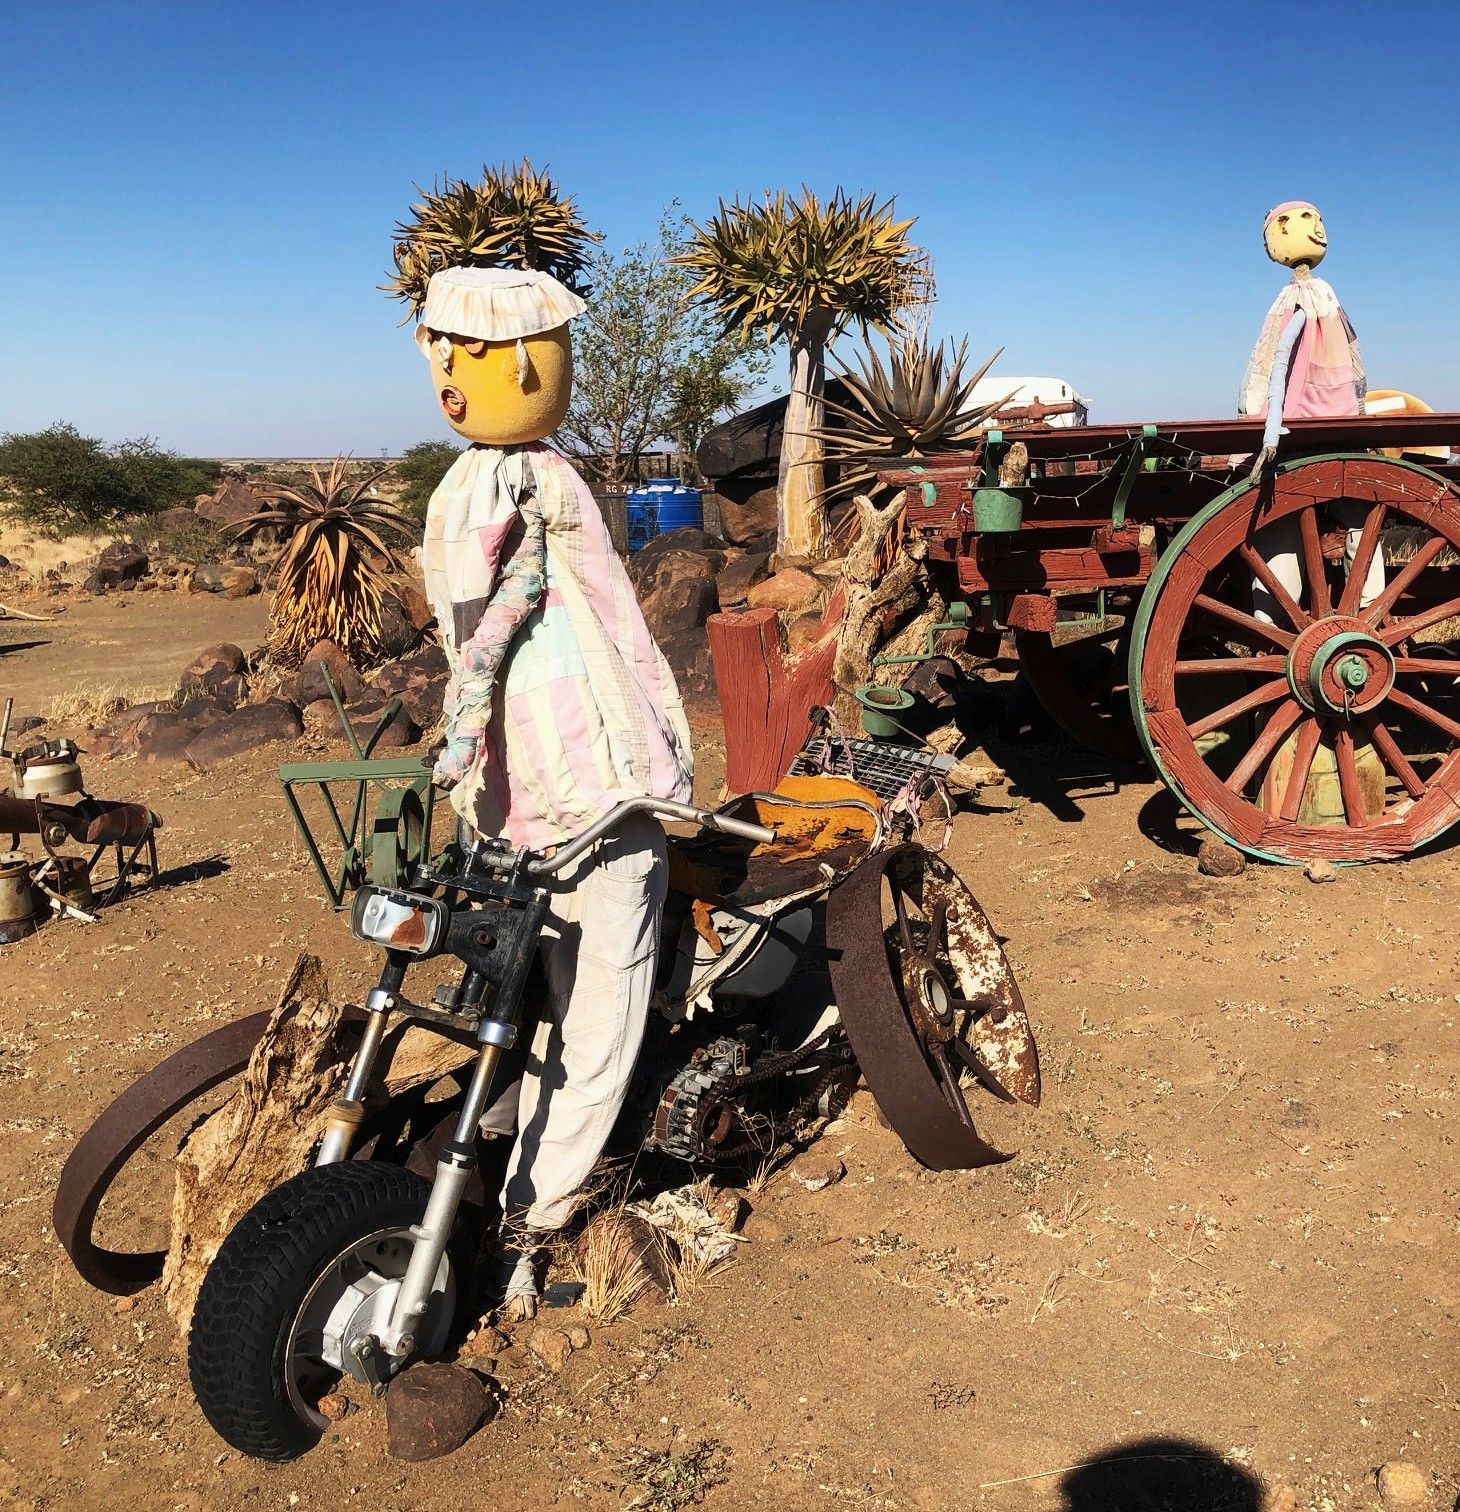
(958, 619)
(1137, 459)
(382, 846)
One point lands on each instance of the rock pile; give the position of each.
(684, 576)
(223, 707)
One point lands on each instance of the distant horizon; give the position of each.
(1091, 198)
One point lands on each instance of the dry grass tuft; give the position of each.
(610, 1258)
(94, 706)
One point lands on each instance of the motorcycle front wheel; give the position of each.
(291, 1290)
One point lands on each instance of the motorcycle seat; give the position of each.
(824, 826)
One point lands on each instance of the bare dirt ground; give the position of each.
(1232, 1223)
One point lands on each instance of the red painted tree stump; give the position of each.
(766, 694)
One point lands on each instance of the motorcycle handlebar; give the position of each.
(663, 808)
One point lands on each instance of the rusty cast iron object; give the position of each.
(925, 993)
(121, 1130)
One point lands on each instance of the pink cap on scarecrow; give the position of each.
(1286, 206)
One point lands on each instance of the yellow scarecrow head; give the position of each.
(1293, 234)
(501, 359)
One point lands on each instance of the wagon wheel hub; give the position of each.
(1338, 666)
(930, 999)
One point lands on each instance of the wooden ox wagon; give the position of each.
(1138, 568)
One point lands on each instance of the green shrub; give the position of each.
(59, 481)
(154, 479)
(420, 469)
(194, 543)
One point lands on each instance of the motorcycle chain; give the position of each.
(770, 1066)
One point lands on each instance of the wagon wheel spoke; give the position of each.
(1269, 692)
(1424, 711)
(1388, 748)
(1402, 630)
(1281, 720)
(1348, 776)
(1303, 757)
(1268, 578)
(1315, 569)
(951, 1090)
(1241, 626)
(1435, 666)
(904, 924)
(1377, 612)
(986, 1078)
(1214, 665)
(974, 1007)
(937, 945)
(1363, 557)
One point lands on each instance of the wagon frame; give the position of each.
(1151, 542)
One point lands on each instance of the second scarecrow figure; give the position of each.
(1305, 366)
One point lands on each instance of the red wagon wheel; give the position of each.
(1321, 724)
(1081, 684)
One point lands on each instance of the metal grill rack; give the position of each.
(881, 765)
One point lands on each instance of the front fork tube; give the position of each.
(458, 1158)
(349, 1108)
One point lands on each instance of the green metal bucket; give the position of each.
(879, 705)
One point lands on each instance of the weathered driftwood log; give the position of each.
(887, 584)
(267, 1130)
(766, 694)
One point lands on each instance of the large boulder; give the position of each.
(365, 714)
(233, 502)
(419, 681)
(119, 566)
(228, 578)
(176, 519)
(220, 671)
(274, 719)
(737, 578)
(163, 738)
(792, 590)
(688, 655)
(308, 683)
(677, 592)
(748, 512)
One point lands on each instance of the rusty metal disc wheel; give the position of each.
(1080, 682)
(929, 1003)
(1326, 723)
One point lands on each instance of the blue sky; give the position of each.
(196, 199)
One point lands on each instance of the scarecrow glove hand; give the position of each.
(1261, 461)
(457, 757)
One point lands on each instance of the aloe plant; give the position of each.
(340, 544)
(916, 404)
(513, 216)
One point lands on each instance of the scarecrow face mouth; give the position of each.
(453, 401)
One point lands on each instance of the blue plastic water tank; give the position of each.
(662, 504)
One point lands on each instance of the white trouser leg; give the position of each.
(1351, 515)
(1278, 545)
(600, 948)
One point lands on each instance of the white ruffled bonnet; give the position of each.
(495, 304)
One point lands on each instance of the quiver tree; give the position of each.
(797, 269)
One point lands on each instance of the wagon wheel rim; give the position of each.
(1247, 697)
(1087, 697)
(925, 994)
